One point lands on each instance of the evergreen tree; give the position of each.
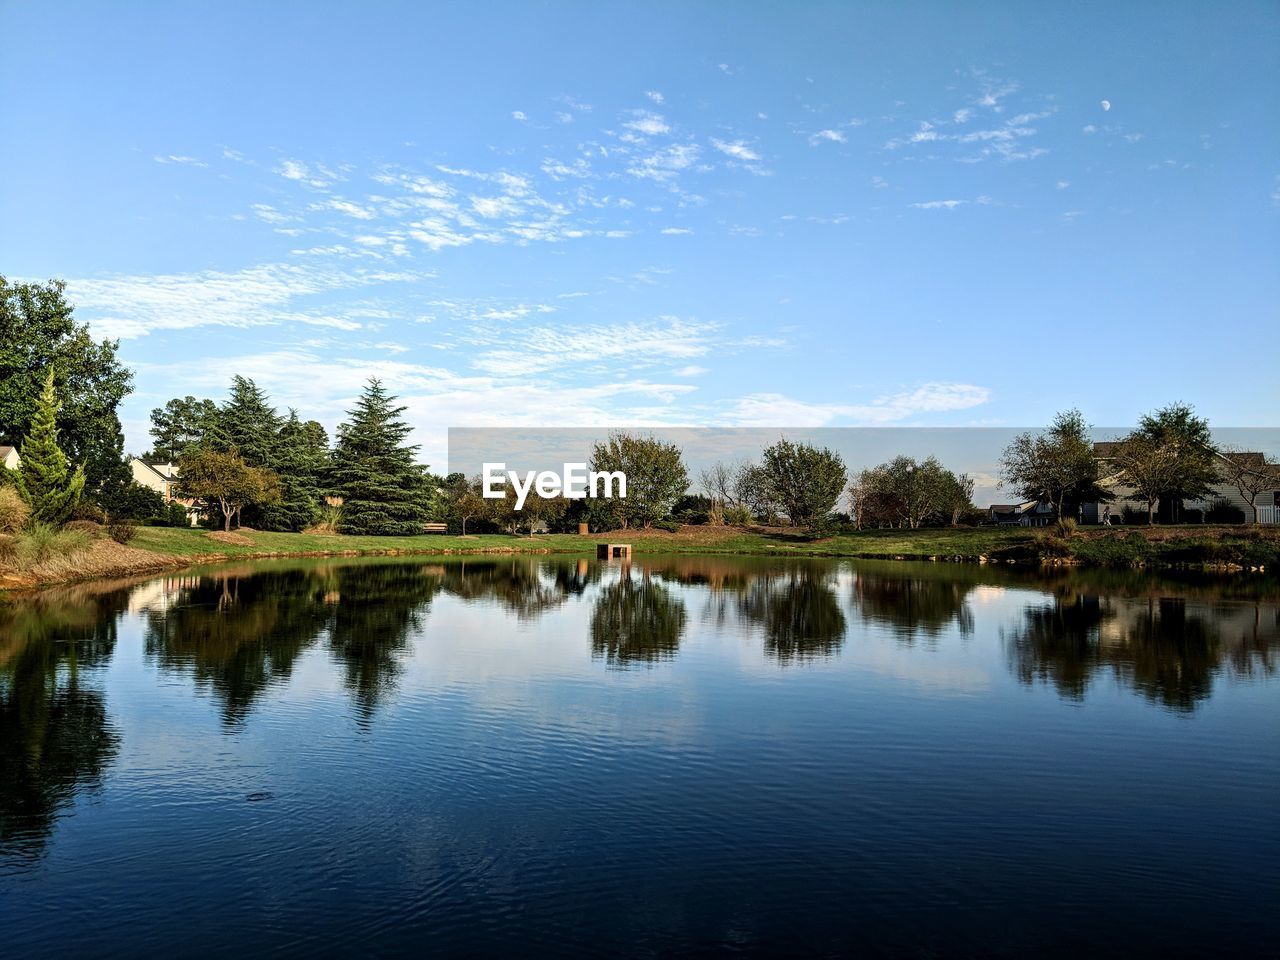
(43, 477)
(248, 422)
(374, 470)
(301, 460)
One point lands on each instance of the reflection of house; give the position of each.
(163, 479)
(9, 458)
(1033, 513)
(1268, 501)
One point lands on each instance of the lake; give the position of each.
(538, 756)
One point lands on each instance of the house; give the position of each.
(1267, 504)
(163, 479)
(9, 458)
(1032, 513)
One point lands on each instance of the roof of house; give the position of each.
(4, 451)
(159, 469)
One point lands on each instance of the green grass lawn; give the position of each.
(1116, 546)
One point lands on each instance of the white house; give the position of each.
(9, 458)
(163, 479)
(1267, 504)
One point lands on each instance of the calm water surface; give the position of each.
(545, 757)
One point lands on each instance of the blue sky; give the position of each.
(819, 214)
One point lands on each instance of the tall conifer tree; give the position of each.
(43, 478)
(375, 472)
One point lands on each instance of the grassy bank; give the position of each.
(155, 549)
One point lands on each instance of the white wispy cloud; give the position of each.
(655, 96)
(827, 136)
(519, 115)
(172, 158)
(950, 204)
(316, 175)
(647, 123)
(774, 409)
(676, 231)
(665, 163)
(127, 307)
(738, 149)
(541, 349)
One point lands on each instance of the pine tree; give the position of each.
(374, 471)
(42, 475)
(301, 459)
(248, 422)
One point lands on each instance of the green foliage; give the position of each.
(14, 511)
(1187, 440)
(1057, 466)
(656, 475)
(904, 492)
(41, 543)
(179, 424)
(736, 515)
(224, 480)
(373, 469)
(328, 520)
(1224, 511)
(43, 476)
(38, 334)
(133, 501)
(804, 480)
(300, 459)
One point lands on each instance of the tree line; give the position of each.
(247, 463)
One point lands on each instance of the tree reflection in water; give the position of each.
(55, 737)
(798, 610)
(516, 584)
(636, 620)
(239, 633)
(376, 609)
(914, 606)
(1168, 649)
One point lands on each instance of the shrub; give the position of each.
(738, 516)
(42, 543)
(667, 524)
(1049, 544)
(88, 527)
(122, 531)
(14, 511)
(1224, 511)
(84, 510)
(328, 521)
(1065, 528)
(1132, 515)
(178, 515)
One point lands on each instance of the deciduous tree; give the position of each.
(656, 475)
(38, 333)
(224, 478)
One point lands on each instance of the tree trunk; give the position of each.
(1150, 512)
